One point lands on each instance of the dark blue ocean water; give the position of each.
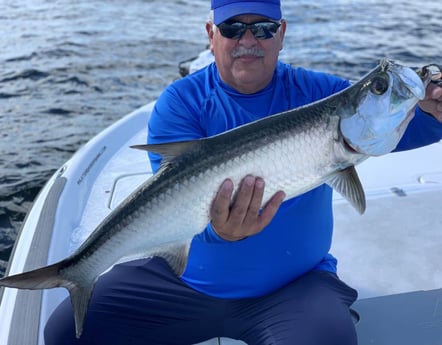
(70, 68)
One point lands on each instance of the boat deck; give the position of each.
(391, 254)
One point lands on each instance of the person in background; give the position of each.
(264, 277)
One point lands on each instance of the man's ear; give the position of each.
(282, 30)
(210, 33)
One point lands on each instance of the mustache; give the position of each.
(241, 51)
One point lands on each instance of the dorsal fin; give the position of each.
(347, 183)
(169, 151)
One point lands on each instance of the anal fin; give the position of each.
(176, 255)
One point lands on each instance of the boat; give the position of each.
(391, 254)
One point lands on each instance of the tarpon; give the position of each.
(294, 151)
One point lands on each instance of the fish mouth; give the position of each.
(416, 81)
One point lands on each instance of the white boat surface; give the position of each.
(391, 254)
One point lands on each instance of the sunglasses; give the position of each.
(260, 30)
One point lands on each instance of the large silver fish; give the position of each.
(293, 151)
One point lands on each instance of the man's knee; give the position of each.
(327, 311)
(314, 309)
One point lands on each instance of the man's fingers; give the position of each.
(256, 198)
(242, 200)
(432, 103)
(221, 204)
(433, 92)
(242, 217)
(271, 208)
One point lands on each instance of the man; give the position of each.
(263, 277)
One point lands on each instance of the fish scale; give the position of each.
(293, 151)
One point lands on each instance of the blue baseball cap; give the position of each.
(225, 9)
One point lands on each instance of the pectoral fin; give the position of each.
(347, 183)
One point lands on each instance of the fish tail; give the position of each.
(49, 277)
(80, 297)
(43, 278)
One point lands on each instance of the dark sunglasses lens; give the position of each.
(232, 30)
(261, 30)
(264, 30)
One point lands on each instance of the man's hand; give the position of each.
(432, 103)
(241, 218)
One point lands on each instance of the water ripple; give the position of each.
(32, 74)
(71, 68)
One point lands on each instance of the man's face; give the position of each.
(247, 73)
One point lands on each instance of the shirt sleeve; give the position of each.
(423, 130)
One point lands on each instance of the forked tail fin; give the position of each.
(80, 297)
(49, 277)
(43, 278)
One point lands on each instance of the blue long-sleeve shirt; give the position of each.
(299, 237)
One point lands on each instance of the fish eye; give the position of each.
(379, 85)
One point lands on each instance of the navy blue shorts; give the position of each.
(143, 302)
